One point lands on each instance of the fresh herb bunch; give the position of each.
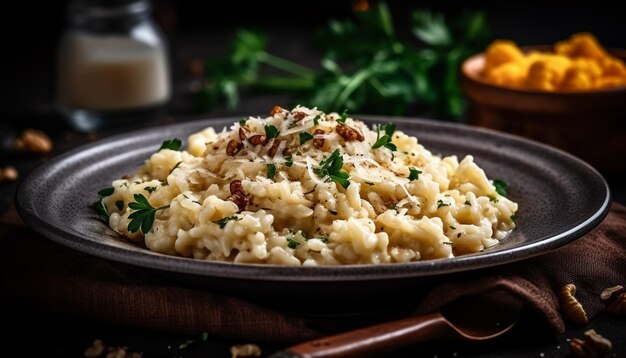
(330, 169)
(144, 214)
(365, 65)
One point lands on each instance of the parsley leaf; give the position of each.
(242, 122)
(343, 117)
(322, 239)
(331, 168)
(102, 211)
(150, 189)
(441, 203)
(222, 222)
(288, 161)
(106, 191)
(513, 218)
(271, 131)
(385, 139)
(316, 120)
(414, 174)
(144, 214)
(172, 144)
(305, 137)
(119, 204)
(291, 243)
(467, 202)
(500, 186)
(271, 170)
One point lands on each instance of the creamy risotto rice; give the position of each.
(303, 187)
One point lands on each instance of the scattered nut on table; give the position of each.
(245, 350)
(99, 349)
(571, 308)
(96, 349)
(33, 141)
(591, 345)
(615, 300)
(8, 173)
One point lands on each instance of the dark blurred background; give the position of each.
(201, 29)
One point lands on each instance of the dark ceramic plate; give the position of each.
(560, 199)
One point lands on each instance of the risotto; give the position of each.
(303, 187)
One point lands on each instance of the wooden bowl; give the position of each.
(588, 124)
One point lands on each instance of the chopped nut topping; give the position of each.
(237, 195)
(34, 141)
(245, 350)
(615, 300)
(276, 109)
(298, 116)
(9, 173)
(592, 345)
(242, 134)
(233, 147)
(258, 139)
(571, 308)
(349, 134)
(318, 142)
(274, 148)
(96, 349)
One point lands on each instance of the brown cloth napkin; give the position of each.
(59, 279)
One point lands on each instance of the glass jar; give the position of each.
(113, 65)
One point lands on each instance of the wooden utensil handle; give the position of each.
(370, 340)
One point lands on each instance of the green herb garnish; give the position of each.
(222, 222)
(305, 137)
(106, 191)
(172, 144)
(102, 211)
(119, 205)
(271, 131)
(513, 217)
(501, 186)
(322, 239)
(143, 217)
(316, 120)
(271, 170)
(288, 161)
(414, 174)
(175, 166)
(242, 122)
(150, 189)
(331, 168)
(467, 202)
(385, 139)
(441, 203)
(291, 243)
(343, 117)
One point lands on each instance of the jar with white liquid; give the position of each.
(113, 65)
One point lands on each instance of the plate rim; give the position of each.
(268, 272)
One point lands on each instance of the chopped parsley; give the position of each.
(288, 161)
(493, 198)
(343, 117)
(322, 239)
(385, 140)
(119, 205)
(441, 203)
(102, 211)
(143, 217)
(331, 168)
(222, 222)
(291, 243)
(242, 121)
(106, 191)
(500, 186)
(271, 170)
(172, 144)
(305, 137)
(513, 218)
(414, 174)
(150, 189)
(271, 131)
(316, 120)
(467, 202)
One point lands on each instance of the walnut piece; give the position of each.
(274, 148)
(615, 300)
(276, 109)
(258, 139)
(245, 350)
(571, 308)
(96, 349)
(298, 116)
(318, 142)
(233, 147)
(237, 195)
(9, 173)
(34, 141)
(592, 345)
(349, 134)
(242, 134)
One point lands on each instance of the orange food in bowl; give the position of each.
(577, 64)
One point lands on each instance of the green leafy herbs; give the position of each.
(150, 189)
(271, 170)
(271, 131)
(172, 144)
(342, 118)
(119, 205)
(292, 243)
(144, 214)
(305, 137)
(513, 218)
(441, 203)
(222, 222)
(322, 239)
(330, 169)
(316, 120)
(106, 192)
(243, 121)
(467, 202)
(365, 65)
(414, 174)
(288, 161)
(500, 186)
(385, 139)
(102, 211)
